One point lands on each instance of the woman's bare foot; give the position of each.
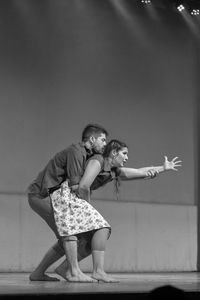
(76, 277)
(102, 276)
(41, 277)
(79, 277)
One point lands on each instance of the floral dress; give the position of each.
(74, 215)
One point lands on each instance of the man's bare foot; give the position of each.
(41, 277)
(61, 272)
(102, 276)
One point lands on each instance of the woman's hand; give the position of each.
(173, 164)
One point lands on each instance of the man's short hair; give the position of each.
(92, 129)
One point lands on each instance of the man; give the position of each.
(67, 164)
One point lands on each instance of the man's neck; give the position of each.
(88, 147)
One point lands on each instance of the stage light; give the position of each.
(146, 1)
(195, 12)
(181, 7)
(191, 7)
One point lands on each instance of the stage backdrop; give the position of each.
(67, 63)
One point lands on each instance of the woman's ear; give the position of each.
(114, 153)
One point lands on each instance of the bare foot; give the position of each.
(61, 272)
(78, 277)
(41, 277)
(102, 276)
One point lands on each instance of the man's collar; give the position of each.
(88, 151)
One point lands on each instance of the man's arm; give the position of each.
(92, 170)
(75, 161)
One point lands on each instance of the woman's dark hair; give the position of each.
(91, 129)
(114, 145)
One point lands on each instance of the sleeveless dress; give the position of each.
(74, 215)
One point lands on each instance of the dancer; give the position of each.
(68, 164)
(74, 215)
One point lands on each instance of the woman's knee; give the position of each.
(102, 232)
(99, 239)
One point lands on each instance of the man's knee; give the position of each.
(84, 243)
(58, 247)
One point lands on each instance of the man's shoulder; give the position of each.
(75, 149)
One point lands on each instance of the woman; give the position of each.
(78, 216)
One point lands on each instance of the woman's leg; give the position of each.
(73, 272)
(98, 253)
(84, 250)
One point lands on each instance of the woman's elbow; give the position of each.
(83, 187)
(83, 190)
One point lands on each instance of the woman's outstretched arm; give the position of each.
(149, 172)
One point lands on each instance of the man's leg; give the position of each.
(43, 208)
(51, 256)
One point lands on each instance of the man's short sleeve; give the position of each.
(75, 164)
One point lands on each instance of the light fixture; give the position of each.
(146, 1)
(181, 7)
(195, 12)
(190, 6)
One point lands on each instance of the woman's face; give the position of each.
(120, 157)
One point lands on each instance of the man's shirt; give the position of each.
(66, 164)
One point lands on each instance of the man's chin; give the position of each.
(95, 151)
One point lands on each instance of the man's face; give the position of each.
(99, 143)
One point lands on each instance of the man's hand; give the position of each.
(152, 173)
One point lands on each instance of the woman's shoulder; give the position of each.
(98, 157)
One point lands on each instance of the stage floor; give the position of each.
(135, 283)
